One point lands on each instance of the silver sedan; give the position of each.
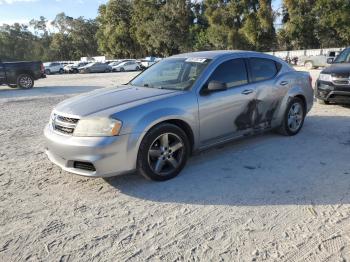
(181, 105)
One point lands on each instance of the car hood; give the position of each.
(337, 69)
(112, 97)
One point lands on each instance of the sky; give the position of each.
(22, 11)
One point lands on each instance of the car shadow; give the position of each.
(6, 92)
(312, 167)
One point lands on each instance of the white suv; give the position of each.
(53, 67)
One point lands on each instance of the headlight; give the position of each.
(325, 77)
(99, 126)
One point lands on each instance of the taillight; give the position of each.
(42, 68)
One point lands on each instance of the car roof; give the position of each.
(214, 54)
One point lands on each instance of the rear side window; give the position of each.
(262, 69)
(232, 73)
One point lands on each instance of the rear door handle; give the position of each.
(284, 83)
(247, 91)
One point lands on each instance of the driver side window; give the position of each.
(232, 73)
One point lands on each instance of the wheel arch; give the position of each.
(295, 91)
(22, 72)
(181, 124)
(302, 98)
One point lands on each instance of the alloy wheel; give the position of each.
(166, 153)
(26, 81)
(295, 117)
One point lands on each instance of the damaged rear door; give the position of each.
(219, 110)
(269, 93)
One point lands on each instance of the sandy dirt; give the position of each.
(269, 197)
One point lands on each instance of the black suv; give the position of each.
(333, 84)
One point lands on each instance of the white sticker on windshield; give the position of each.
(196, 60)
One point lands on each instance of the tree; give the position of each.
(16, 42)
(199, 39)
(162, 27)
(300, 24)
(83, 37)
(333, 20)
(241, 24)
(114, 36)
(74, 38)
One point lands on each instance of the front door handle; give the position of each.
(247, 91)
(284, 83)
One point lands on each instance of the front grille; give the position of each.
(342, 88)
(341, 82)
(343, 75)
(65, 125)
(84, 165)
(67, 119)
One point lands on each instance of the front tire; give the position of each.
(48, 72)
(293, 118)
(61, 71)
(25, 81)
(163, 152)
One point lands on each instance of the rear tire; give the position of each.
(293, 118)
(61, 71)
(163, 152)
(122, 69)
(25, 81)
(48, 72)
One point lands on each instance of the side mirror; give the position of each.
(214, 86)
(330, 60)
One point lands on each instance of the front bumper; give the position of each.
(110, 156)
(329, 92)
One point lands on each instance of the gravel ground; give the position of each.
(268, 197)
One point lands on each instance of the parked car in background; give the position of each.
(53, 68)
(73, 68)
(333, 83)
(95, 67)
(21, 74)
(311, 62)
(115, 63)
(127, 66)
(148, 61)
(183, 104)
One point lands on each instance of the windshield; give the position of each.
(172, 73)
(343, 57)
